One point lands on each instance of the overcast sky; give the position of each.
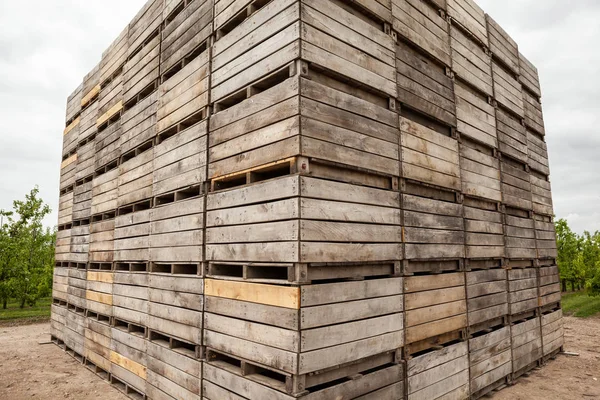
(47, 46)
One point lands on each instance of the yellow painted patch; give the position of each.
(273, 295)
(128, 364)
(72, 125)
(88, 97)
(68, 161)
(107, 115)
(106, 277)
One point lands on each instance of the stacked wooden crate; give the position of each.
(321, 231)
(307, 199)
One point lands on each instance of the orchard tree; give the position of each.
(27, 251)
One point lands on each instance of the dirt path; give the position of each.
(32, 371)
(566, 378)
(45, 372)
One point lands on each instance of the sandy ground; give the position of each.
(30, 370)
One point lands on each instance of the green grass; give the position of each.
(579, 304)
(39, 311)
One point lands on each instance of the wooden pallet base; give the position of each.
(488, 326)
(552, 355)
(494, 387)
(412, 267)
(96, 369)
(550, 307)
(435, 343)
(177, 268)
(524, 315)
(126, 389)
(300, 385)
(301, 273)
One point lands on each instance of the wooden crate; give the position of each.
(174, 371)
(516, 183)
(507, 90)
(142, 71)
(433, 230)
(60, 283)
(422, 24)
(132, 236)
(349, 127)
(138, 126)
(98, 337)
(82, 200)
(512, 136)
(135, 177)
(490, 360)
(74, 105)
(223, 380)
(522, 292)
(80, 242)
(114, 58)
(442, 373)
(504, 49)
(520, 235)
(85, 161)
(429, 155)
(128, 358)
(545, 235)
(130, 297)
(91, 87)
(70, 137)
(258, 131)
(541, 193)
(251, 46)
(552, 332)
(243, 41)
(89, 117)
(105, 192)
(110, 103)
(436, 310)
(184, 96)
(484, 233)
(470, 17)
(487, 299)
(526, 345)
(187, 33)
(57, 321)
(74, 332)
(175, 306)
(537, 153)
(108, 150)
(76, 292)
(102, 235)
(99, 292)
(424, 85)
(177, 235)
(342, 223)
(180, 163)
(534, 118)
(476, 118)
(67, 174)
(549, 284)
(63, 244)
(316, 335)
(528, 76)
(470, 61)
(65, 209)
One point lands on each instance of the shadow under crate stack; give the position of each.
(307, 199)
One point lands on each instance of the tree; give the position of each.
(6, 254)
(26, 251)
(568, 249)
